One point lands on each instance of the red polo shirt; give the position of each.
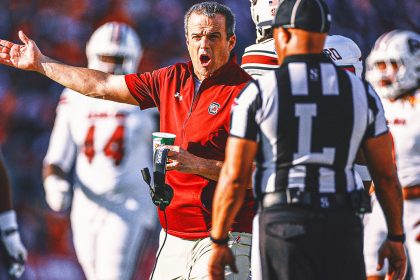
(201, 125)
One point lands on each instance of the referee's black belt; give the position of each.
(302, 198)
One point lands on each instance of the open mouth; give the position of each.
(205, 59)
(385, 83)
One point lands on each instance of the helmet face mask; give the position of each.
(393, 66)
(387, 72)
(263, 11)
(111, 63)
(114, 48)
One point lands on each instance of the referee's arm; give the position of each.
(234, 179)
(230, 193)
(378, 153)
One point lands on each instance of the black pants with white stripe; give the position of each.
(297, 243)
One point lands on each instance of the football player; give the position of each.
(261, 57)
(393, 69)
(14, 252)
(108, 143)
(346, 54)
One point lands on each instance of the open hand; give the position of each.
(57, 193)
(221, 257)
(26, 56)
(394, 252)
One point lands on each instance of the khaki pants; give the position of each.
(183, 259)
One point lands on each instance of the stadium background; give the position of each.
(61, 29)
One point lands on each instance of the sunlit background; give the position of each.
(61, 28)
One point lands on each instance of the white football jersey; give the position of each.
(260, 58)
(404, 122)
(111, 142)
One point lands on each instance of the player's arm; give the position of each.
(60, 156)
(378, 153)
(58, 193)
(89, 82)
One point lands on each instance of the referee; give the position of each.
(304, 123)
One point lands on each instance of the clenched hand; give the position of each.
(181, 160)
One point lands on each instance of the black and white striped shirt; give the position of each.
(309, 118)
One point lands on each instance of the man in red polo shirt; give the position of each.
(194, 100)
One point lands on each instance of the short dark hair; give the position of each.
(210, 9)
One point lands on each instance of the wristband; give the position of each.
(222, 241)
(396, 237)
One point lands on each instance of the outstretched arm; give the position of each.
(89, 82)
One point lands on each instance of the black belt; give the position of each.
(302, 198)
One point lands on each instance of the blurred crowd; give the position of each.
(61, 30)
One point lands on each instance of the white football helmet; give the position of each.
(345, 53)
(393, 65)
(114, 48)
(263, 11)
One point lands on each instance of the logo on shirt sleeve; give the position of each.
(213, 108)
